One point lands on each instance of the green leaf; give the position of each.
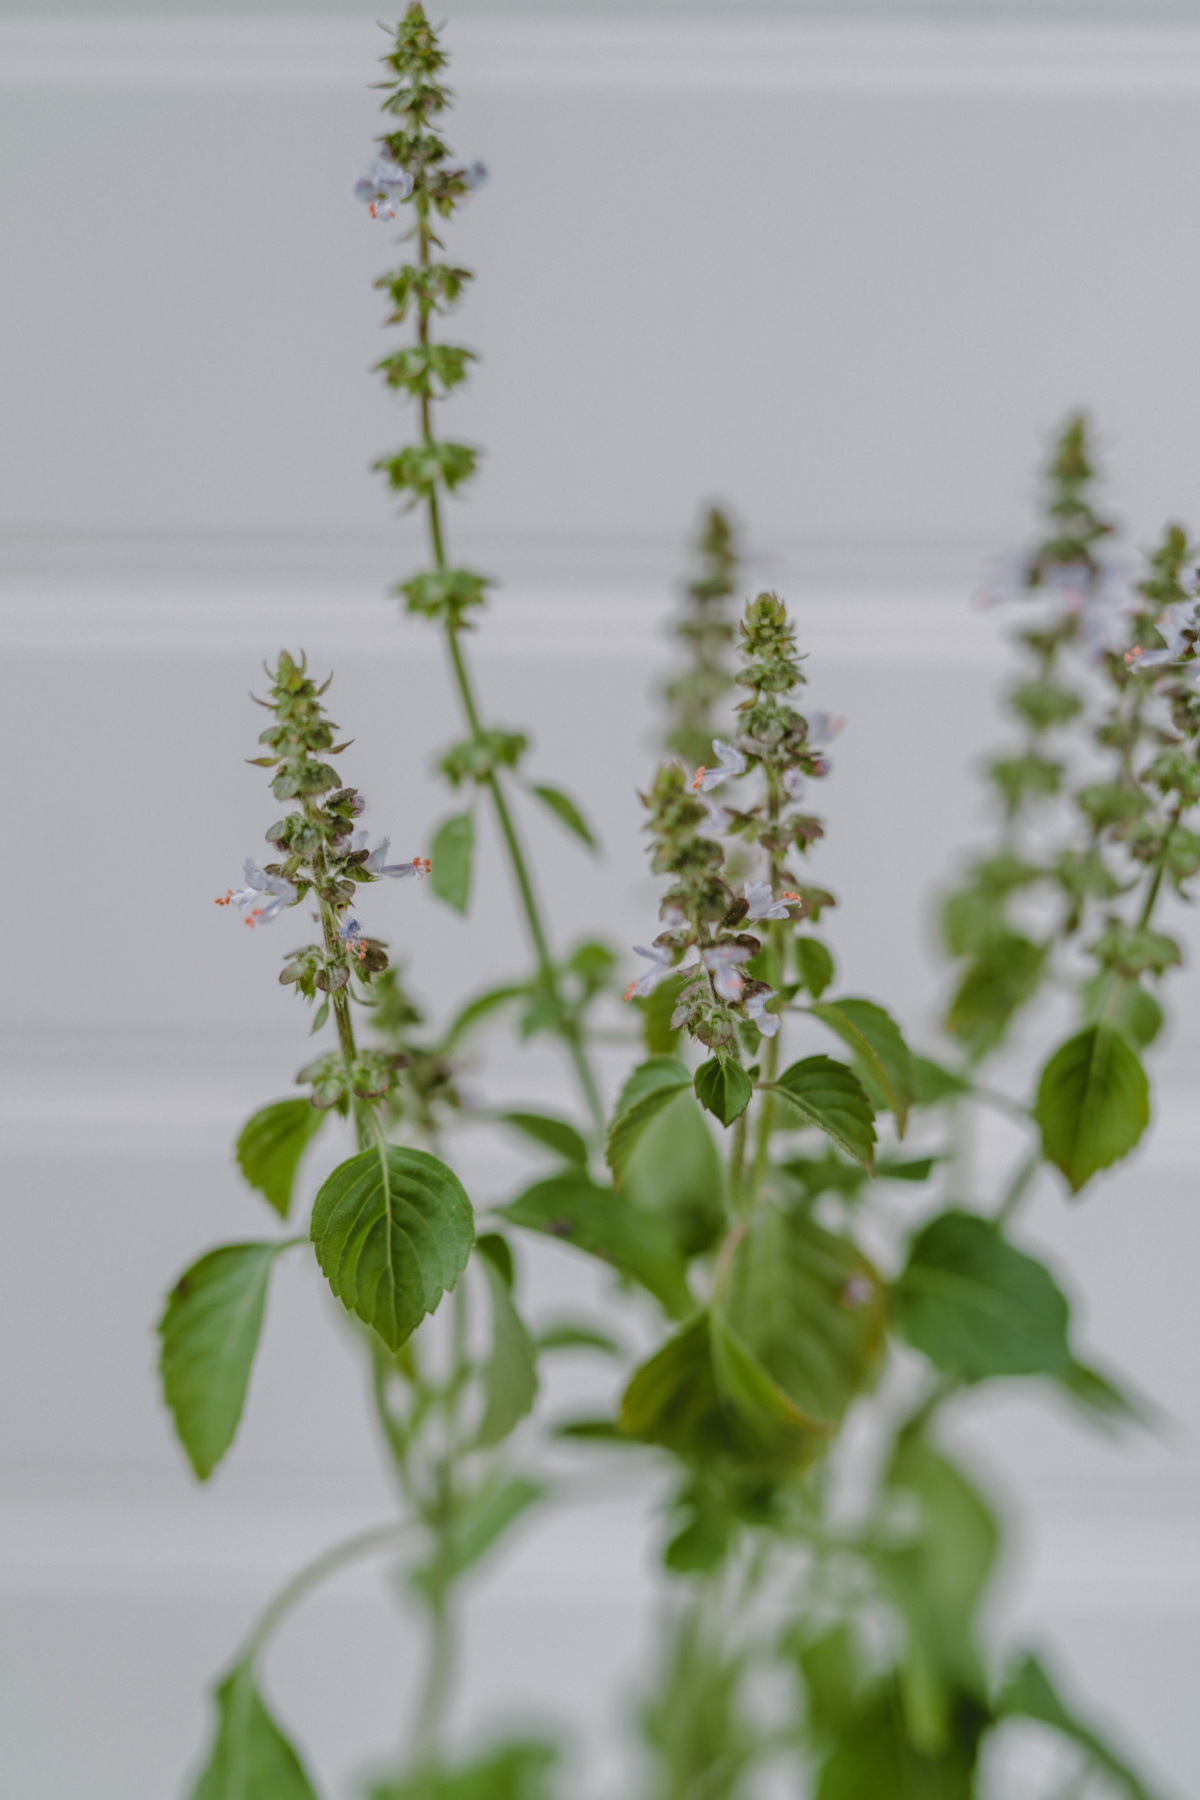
(676, 1173)
(1093, 1104)
(705, 1397)
(392, 1237)
(251, 1759)
(572, 1336)
(1029, 1693)
(451, 858)
(874, 1755)
(510, 1382)
(481, 1007)
(809, 1307)
(516, 1771)
(605, 1225)
(895, 1168)
(814, 964)
(937, 1575)
(497, 1251)
(566, 811)
(977, 1307)
(555, 1134)
(723, 1088)
(828, 1095)
(932, 1083)
(995, 985)
(1110, 999)
(480, 1521)
(270, 1145)
(875, 1038)
(652, 1084)
(210, 1329)
(1103, 1399)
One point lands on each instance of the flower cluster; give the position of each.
(706, 631)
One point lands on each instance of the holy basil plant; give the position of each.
(771, 1195)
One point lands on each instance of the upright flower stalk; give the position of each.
(425, 473)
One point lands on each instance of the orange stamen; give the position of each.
(228, 899)
(701, 772)
(790, 896)
(628, 994)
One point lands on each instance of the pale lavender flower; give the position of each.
(793, 783)
(474, 177)
(377, 863)
(1170, 625)
(659, 955)
(768, 1023)
(731, 762)
(384, 187)
(350, 931)
(719, 817)
(762, 905)
(721, 961)
(259, 884)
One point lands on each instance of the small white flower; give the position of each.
(762, 905)
(719, 817)
(793, 783)
(768, 1023)
(1171, 627)
(731, 762)
(258, 884)
(660, 957)
(721, 961)
(377, 863)
(384, 187)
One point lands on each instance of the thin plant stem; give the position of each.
(364, 1543)
(1018, 1187)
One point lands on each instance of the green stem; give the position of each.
(328, 1563)
(1160, 864)
(1018, 1187)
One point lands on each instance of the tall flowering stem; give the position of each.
(706, 634)
(425, 473)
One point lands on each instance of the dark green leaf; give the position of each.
(498, 1253)
(566, 810)
(210, 1330)
(894, 1168)
(814, 964)
(828, 1095)
(251, 1759)
(1029, 1694)
(451, 857)
(652, 1084)
(604, 1224)
(392, 1237)
(1093, 1104)
(555, 1134)
(676, 1173)
(270, 1145)
(809, 1307)
(977, 1307)
(723, 1088)
(875, 1038)
(510, 1382)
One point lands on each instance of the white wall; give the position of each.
(848, 279)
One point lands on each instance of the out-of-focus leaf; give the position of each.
(567, 813)
(451, 857)
(555, 1134)
(1093, 1104)
(250, 1759)
(651, 1086)
(1029, 1693)
(604, 1224)
(814, 964)
(270, 1145)
(676, 1173)
(510, 1382)
(932, 1084)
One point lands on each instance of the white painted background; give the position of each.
(847, 278)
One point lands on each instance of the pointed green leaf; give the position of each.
(251, 1759)
(723, 1088)
(572, 1336)
(566, 811)
(932, 1083)
(830, 1096)
(652, 1084)
(875, 1038)
(676, 1173)
(210, 1329)
(510, 1380)
(809, 1306)
(555, 1134)
(1093, 1104)
(522, 1770)
(1029, 1694)
(604, 1224)
(814, 964)
(451, 857)
(481, 1519)
(482, 1007)
(978, 1307)
(270, 1145)
(392, 1237)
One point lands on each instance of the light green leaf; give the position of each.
(723, 1088)
(510, 1382)
(479, 1522)
(518, 1771)
(270, 1145)
(572, 1336)
(451, 857)
(1029, 1693)
(392, 1237)
(828, 1095)
(814, 964)
(875, 1038)
(251, 1759)
(1093, 1104)
(652, 1084)
(210, 1329)
(932, 1084)
(676, 1173)
(481, 1008)
(809, 1307)
(977, 1307)
(555, 1134)
(566, 811)
(604, 1224)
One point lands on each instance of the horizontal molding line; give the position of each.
(628, 56)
